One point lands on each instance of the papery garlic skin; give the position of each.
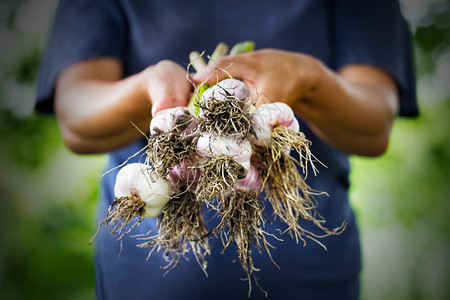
(134, 180)
(209, 145)
(252, 182)
(268, 116)
(263, 132)
(227, 88)
(183, 174)
(166, 119)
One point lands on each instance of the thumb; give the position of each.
(161, 101)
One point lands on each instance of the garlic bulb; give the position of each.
(134, 180)
(168, 119)
(184, 174)
(252, 182)
(227, 88)
(268, 116)
(241, 151)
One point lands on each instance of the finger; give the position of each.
(166, 96)
(262, 97)
(181, 95)
(160, 94)
(266, 91)
(160, 101)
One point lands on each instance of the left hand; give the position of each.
(352, 109)
(271, 75)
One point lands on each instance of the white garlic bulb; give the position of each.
(167, 119)
(227, 88)
(268, 116)
(134, 180)
(241, 151)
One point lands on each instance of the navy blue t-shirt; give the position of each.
(141, 33)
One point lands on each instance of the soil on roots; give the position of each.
(224, 117)
(180, 228)
(167, 149)
(219, 175)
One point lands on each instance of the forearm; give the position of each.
(351, 111)
(96, 113)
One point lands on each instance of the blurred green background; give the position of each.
(48, 195)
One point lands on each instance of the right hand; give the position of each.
(271, 75)
(167, 86)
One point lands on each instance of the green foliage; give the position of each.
(46, 255)
(402, 197)
(44, 251)
(26, 69)
(28, 142)
(432, 40)
(411, 179)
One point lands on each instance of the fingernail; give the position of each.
(154, 109)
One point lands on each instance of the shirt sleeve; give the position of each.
(375, 33)
(82, 29)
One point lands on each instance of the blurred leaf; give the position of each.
(12, 6)
(30, 141)
(409, 184)
(26, 68)
(432, 40)
(47, 256)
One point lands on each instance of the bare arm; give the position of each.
(95, 107)
(352, 110)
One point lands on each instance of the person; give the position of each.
(344, 67)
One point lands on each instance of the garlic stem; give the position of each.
(197, 61)
(221, 50)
